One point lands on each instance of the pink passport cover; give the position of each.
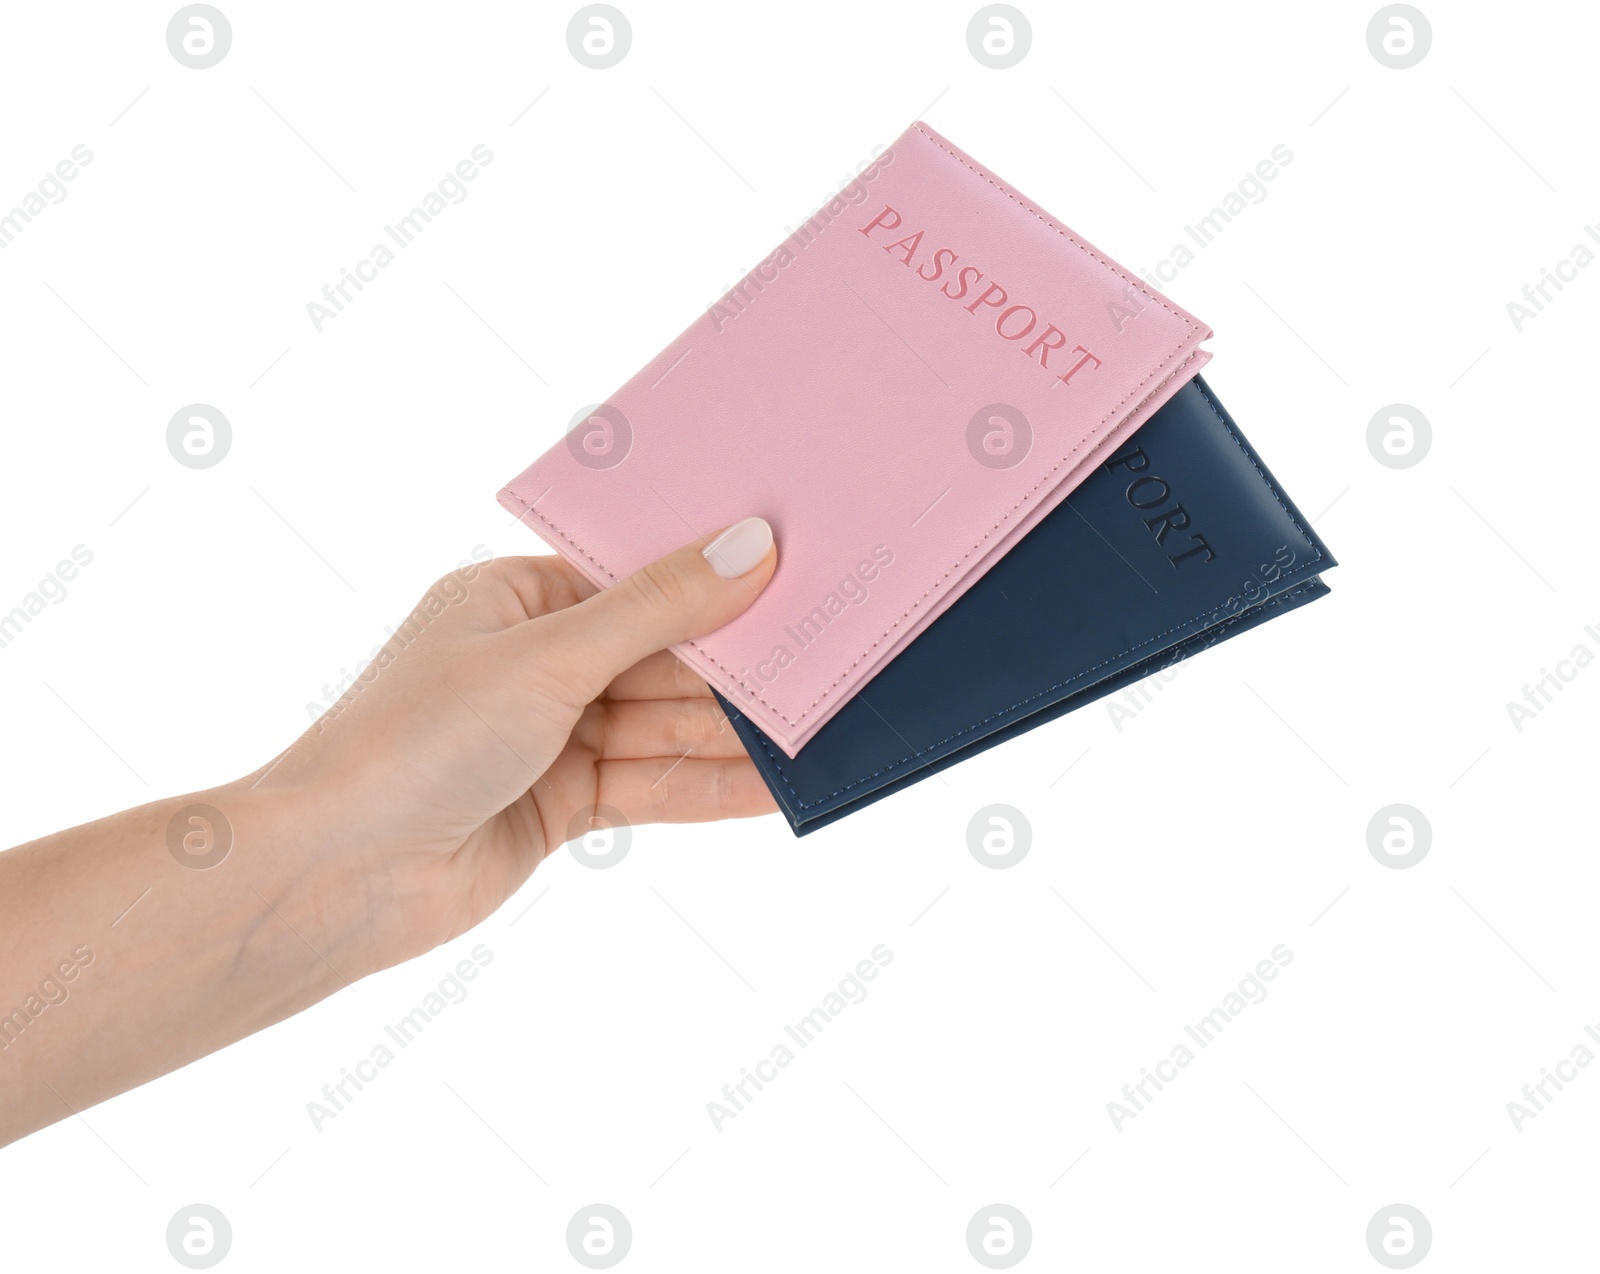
(903, 388)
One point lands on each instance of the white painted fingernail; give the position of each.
(740, 548)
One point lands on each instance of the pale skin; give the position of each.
(421, 802)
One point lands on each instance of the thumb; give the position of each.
(690, 592)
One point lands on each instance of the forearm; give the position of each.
(498, 718)
(120, 960)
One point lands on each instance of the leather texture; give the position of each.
(903, 389)
(1179, 540)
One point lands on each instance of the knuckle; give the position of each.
(725, 789)
(498, 570)
(447, 586)
(660, 587)
(691, 728)
(435, 605)
(519, 577)
(661, 799)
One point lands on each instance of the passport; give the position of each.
(1180, 539)
(904, 388)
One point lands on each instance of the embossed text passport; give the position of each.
(1179, 540)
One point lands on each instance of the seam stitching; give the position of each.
(1027, 496)
(1315, 558)
(777, 763)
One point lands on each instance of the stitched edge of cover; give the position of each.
(827, 691)
(1316, 558)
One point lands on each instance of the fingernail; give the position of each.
(740, 548)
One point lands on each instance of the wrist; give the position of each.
(189, 922)
(302, 903)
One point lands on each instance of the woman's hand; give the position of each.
(514, 701)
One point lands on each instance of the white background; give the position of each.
(1228, 817)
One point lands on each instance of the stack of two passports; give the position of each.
(999, 486)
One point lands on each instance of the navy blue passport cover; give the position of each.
(1179, 540)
